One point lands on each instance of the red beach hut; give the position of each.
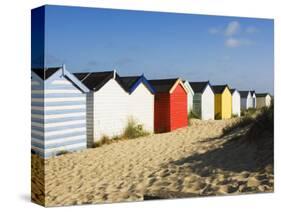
(170, 105)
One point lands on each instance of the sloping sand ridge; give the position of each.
(195, 161)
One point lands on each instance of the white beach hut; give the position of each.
(107, 104)
(263, 100)
(236, 102)
(246, 100)
(189, 96)
(58, 112)
(254, 99)
(140, 105)
(203, 100)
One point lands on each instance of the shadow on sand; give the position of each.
(235, 155)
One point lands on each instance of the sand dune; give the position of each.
(195, 161)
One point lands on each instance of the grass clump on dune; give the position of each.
(261, 134)
(192, 115)
(263, 124)
(134, 130)
(242, 122)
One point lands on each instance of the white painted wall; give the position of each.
(141, 107)
(250, 102)
(247, 103)
(110, 110)
(189, 97)
(263, 101)
(189, 102)
(254, 101)
(236, 103)
(207, 104)
(267, 101)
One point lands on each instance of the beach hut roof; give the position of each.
(130, 83)
(253, 92)
(244, 94)
(166, 85)
(96, 80)
(199, 87)
(45, 73)
(262, 94)
(219, 88)
(232, 90)
(186, 83)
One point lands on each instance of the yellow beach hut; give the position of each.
(223, 101)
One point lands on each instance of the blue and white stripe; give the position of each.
(58, 116)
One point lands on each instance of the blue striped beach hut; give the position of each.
(58, 112)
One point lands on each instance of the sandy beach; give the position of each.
(195, 161)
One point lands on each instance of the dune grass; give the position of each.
(131, 131)
(242, 122)
(134, 130)
(192, 115)
(263, 123)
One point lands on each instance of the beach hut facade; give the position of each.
(140, 100)
(107, 109)
(170, 105)
(223, 102)
(254, 99)
(246, 100)
(263, 100)
(203, 100)
(236, 102)
(58, 112)
(189, 96)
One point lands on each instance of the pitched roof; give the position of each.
(232, 90)
(186, 83)
(262, 94)
(45, 73)
(199, 87)
(253, 92)
(219, 88)
(163, 85)
(95, 80)
(130, 83)
(244, 94)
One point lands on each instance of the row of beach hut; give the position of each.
(71, 111)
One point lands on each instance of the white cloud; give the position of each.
(231, 32)
(232, 28)
(251, 29)
(236, 42)
(232, 42)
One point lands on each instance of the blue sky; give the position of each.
(236, 51)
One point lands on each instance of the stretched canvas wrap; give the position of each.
(134, 105)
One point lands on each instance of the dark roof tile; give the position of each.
(262, 94)
(199, 87)
(244, 94)
(163, 85)
(219, 88)
(232, 90)
(128, 82)
(95, 80)
(45, 73)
